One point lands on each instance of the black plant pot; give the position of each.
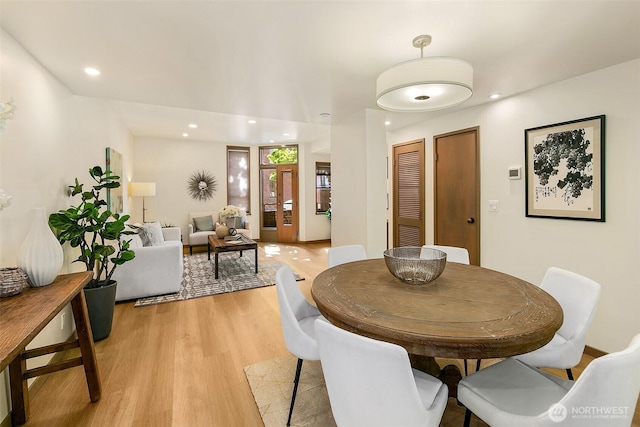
(100, 304)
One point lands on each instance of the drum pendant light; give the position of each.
(424, 84)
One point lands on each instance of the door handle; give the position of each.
(471, 220)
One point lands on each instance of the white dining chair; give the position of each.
(297, 317)
(512, 393)
(348, 253)
(578, 296)
(461, 256)
(454, 253)
(371, 383)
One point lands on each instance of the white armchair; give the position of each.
(512, 393)
(199, 237)
(371, 382)
(156, 270)
(297, 317)
(578, 296)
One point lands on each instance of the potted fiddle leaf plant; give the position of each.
(100, 236)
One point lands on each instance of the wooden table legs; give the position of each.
(87, 349)
(216, 251)
(19, 374)
(450, 374)
(216, 266)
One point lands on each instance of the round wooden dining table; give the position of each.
(469, 312)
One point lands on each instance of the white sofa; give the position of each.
(199, 237)
(156, 270)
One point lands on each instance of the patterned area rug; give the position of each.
(271, 383)
(235, 273)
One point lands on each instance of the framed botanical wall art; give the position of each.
(114, 195)
(565, 170)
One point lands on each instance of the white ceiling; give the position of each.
(218, 63)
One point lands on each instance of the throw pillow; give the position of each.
(150, 233)
(155, 233)
(134, 241)
(203, 223)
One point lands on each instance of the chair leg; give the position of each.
(467, 418)
(478, 364)
(466, 370)
(570, 374)
(190, 250)
(295, 390)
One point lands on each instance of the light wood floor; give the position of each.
(180, 364)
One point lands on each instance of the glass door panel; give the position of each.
(287, 215)
(269, 197)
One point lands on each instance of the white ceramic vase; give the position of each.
(40, 255)
(222, 231)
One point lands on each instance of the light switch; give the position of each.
(493, 206)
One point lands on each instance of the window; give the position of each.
(323, 187)
(238, 177)
(286, 154)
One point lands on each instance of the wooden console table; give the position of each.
(23, 316)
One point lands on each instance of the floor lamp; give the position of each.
(142, 189)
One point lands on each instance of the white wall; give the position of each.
(170, 163)
(348, 181)
(358, 182)
(376, 180)
(54, 137)
(312, 226)
(525, 247)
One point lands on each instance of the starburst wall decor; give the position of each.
(202, 186)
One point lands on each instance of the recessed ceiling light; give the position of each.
(272, 141)
(193, 125)
(185, 134)
(495, 95)
(387, 123)
(252, 122)
(286, 134)
(92, 71)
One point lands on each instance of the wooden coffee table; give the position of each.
(220, 245)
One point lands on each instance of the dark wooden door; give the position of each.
(457, 191)
(408, 194)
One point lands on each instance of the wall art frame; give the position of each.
(564, 170)
(202, 186)
(115, 198)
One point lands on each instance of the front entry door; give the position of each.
(457, 191)
(287, 209)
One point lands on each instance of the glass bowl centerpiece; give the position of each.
(415, 265)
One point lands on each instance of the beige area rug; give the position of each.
(271, 383)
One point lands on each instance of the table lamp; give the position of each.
(142, 189)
